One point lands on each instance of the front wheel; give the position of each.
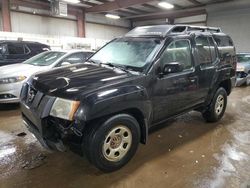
(110, 145)
(217, 107)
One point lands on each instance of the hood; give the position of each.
(19, 70)
(73, 81)
(243, 66)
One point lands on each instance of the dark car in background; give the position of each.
(243, 69)
(12, 52)
(107, 105)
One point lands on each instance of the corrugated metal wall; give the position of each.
(236, 23)
(105, 32)
(27, 23)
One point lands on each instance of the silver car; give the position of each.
(13, 76)
(243, 69)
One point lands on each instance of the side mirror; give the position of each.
(173, 67)
(65, 64)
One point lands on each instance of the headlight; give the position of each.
(64, 109)
(240, 69)
(12, 79)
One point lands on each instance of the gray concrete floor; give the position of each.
(185, 152)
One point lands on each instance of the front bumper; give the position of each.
(242, 78)
(9, 93)
(53, 133)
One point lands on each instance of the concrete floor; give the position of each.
(186, 152)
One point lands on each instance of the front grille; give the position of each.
(7, 96)
(241, 74)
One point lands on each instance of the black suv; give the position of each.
(107, 105)
(12, 52)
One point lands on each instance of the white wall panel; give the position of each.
(104, 32)
(235, 23)
(27, 23)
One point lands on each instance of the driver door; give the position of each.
(174, 93)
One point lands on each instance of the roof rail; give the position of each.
(186, 28)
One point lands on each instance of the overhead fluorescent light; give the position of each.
(72, 1)
(112, 16)
(165, 5)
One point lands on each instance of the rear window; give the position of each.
(15, 49)
(223, 41)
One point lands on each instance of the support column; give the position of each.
(81, 24)
(6, 15)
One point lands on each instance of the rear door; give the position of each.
(15, 53)
(207, 61)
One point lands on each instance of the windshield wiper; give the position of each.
(93, 61)
(123, 68)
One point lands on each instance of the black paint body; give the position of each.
(18, 52)
(105, 91)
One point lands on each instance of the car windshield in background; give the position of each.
(45, 58)
(243, 58)
(134, 53)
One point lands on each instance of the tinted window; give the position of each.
(15, 49)
(223, 41)
(212, 49)
(3, 48)
(203, 50)
(178, 51)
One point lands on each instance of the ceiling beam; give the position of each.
(195, 2)
(114, 5)
(88, 3)
(170, 14)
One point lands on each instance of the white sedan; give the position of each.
(13, 76)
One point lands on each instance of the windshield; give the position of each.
(243, 58)
(134, 53)
(45, 58)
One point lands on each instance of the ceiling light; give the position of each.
(166, 5)
(72, 1)
(112, 16)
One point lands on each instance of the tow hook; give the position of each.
(76, 131)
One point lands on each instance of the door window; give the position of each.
(73, 59)
(178, 51)
(203, 48)
(212, 49)
(15, 49)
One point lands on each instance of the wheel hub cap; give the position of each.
(219, 105)
(117, 143)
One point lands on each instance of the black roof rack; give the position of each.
(164, 30)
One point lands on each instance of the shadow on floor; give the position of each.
(9, 107)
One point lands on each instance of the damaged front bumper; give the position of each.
(242, 78)
(53, 133)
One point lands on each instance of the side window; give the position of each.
(178, 51)
(73, 59)
(26, 49)
(15, 49)
(3, 49)
(212, 49)
(202, 45)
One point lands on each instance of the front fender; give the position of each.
(112, 101)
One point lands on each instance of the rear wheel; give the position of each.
(112, 144)
(217, 107)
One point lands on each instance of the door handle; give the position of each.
(193, 79)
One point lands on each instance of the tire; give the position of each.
(110, 145)
(216, 109)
